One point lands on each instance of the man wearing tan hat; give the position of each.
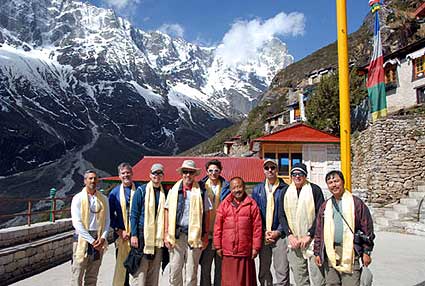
(185, 231)
(267, 196)
(147, 227)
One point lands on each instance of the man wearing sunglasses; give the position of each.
(120, 199)
(186, 227)
(147, 226)
(217, 188)
(267, 196)
(300, 204)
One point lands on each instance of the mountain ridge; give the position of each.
(82, 88)
(399, 29)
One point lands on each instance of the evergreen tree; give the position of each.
(322, 110)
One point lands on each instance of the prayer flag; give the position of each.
(376, 76)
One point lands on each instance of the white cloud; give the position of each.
(245, 38)
(120, 5)
(175, 30)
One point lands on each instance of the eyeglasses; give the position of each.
(298, 175)
(157, 173)
(270, 168)
(214, 171)
(190, 172)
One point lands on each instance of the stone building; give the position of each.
(404, 77)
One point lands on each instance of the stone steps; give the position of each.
(404, 209)
(417, 195)
(382, 221)
(417, 228)
(403, 216)
(411, 202)
(391, 214)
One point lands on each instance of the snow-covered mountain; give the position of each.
(79, 82)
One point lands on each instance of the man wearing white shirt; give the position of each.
(90, 218)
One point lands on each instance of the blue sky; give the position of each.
(310, 24)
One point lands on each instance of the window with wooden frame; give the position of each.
(286, 156)
(297, 113)
(420, 95)
(390, 76)
(419, 67)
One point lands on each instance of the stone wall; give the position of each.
(388, 158)
(23, 234)
(26, 259)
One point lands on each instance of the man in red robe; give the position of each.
(238, 236)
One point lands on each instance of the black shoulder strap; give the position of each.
(339, 212)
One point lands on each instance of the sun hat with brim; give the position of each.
(189, 165)
(271, 161)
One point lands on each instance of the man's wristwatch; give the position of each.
(367, 251)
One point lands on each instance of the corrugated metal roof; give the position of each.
(420, 11)
(250, 169)
(299, 133)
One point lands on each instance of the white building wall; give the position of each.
(280, 120)
(291, 115)
(320, 159)
(267, 126)
(405, 93)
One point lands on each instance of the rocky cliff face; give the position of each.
(81, 87)
(398, 29)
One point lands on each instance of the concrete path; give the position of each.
(398, 260)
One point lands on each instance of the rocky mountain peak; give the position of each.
(81, 87)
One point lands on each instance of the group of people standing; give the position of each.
(214, 220)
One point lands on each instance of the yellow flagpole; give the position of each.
(344, 91)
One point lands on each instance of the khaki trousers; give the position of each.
(335, 278)
(277, 252)
(148, 272)
(184, 258)
(87, 270)
(301, 268)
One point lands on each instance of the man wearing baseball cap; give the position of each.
(268, 198)
(147, 226)
(186, 234)
(297, 214)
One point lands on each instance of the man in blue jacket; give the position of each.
(216, 188)
(268, 197)
(147, 226)
(119, 202)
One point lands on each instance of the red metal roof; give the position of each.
(299, 133)
(420, 12)
(250, 169)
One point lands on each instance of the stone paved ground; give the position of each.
(398, 260)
